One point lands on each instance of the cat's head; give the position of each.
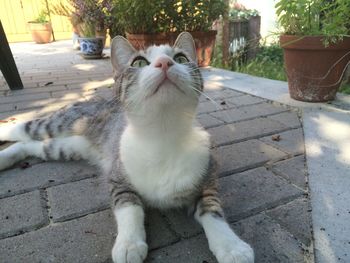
(159, 77)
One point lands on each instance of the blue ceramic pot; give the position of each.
(91, 47)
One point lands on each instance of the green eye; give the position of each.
(139, 62)
(181, 58)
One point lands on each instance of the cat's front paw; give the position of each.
(235, 253)
(129, 250)
(229, 248)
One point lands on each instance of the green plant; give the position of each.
(345, 88)
(87, 15)
(267, 64)
(149, 16)
(240, 12)
(328, 18)
(43, 17)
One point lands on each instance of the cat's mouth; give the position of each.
(164, 83)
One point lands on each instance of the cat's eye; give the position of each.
(139, 62)
(181, 58)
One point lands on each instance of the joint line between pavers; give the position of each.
(45, 186)
(251, 118)
(230, 108)
(66, 218)
(253, 138)
(262, 209)
(279, 175)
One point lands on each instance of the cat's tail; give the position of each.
(38, 129)
(42, 129)
(69, 148)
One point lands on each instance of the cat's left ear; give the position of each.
(185, 42)
(121, 53)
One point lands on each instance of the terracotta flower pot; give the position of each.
(41, 32)
(142, 41)
(205, 42)
(314, 71)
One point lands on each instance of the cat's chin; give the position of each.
(168, 87)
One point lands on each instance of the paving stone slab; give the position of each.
(253, 191)
(27, 97)
(208, 121)
(295, 217)
(194, 250)
(243, 100)
(42, 175)
(289, 119)
(244, 130)
(271, 243)
(293, 170)
(245, 155)
(210, 106)
(220, 94)
(182, 224)
(78, 198)
(22, 213)
(88, 239)
(291, 141)
(159, 233)
(248, 112)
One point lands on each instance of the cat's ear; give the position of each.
(121, 52)
(185, 42)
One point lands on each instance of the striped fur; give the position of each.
(146, 143)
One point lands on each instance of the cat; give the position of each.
(146, 141)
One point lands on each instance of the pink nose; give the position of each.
(164, 63)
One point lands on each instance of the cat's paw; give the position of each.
(235, 253)
(129, 250)
(229, 249)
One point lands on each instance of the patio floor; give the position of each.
(59, 212)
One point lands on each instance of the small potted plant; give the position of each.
(316, 46)
(94, 16)
(41, 28)
(90, 20)
(159, 22)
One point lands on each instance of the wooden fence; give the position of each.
(244, 35)
(14, 15)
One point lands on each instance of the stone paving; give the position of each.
(59, 212)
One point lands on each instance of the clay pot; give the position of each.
(41, 32)
(204, 41)
(314, 71)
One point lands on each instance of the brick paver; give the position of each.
(58, 212)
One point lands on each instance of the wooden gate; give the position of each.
(14, 15)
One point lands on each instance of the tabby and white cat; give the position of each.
(146, 141)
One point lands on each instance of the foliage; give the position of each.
(149, 16)
(43, 17)
(240, 12)
(88, 15)
(329, 18)
(345, 88)
(267, 64)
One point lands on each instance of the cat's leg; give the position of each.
(130, 245)
(69, 148)
(223, 242)
(13, 132)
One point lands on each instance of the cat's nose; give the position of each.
(164, 63)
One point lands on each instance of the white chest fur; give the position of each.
(161, 171)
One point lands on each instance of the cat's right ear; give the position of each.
(121, 53)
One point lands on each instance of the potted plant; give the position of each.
(41, 28)
(316, 46)
(159, 22)
(90, 20)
